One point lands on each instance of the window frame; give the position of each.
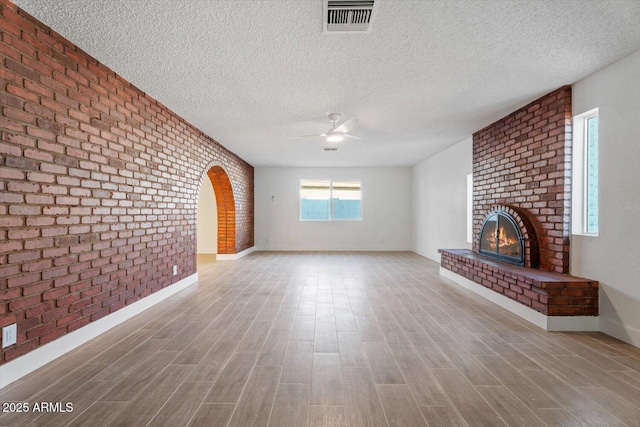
(331, 218)
(580, 175)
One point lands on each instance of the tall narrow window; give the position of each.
(325, 200)
(585, 174)
(591, 175)
(470, 208)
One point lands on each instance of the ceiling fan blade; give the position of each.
(307, 136)
(348, 125)
(347, 136)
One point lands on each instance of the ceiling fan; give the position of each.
(336, 133)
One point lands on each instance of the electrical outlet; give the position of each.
(9, 335)
(175, 270)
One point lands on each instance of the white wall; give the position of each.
(440, 200)
(613, 256)
(386, 211)
(207, 219)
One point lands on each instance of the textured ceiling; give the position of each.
(252, 73)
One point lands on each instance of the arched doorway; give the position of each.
(225, 210)
(207, 219)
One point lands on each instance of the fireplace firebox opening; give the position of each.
(500, 238)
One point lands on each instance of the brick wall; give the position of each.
(524, 161)
(98, 187)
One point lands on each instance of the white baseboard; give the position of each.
(622, 332)
(234, 257)
(548, 323)
(339, 248)
(18, 368)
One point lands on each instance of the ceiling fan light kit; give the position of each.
(337, 133)
(335, 137)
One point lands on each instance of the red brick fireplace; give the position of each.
(522, 167)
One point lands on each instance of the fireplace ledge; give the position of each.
(550, 293)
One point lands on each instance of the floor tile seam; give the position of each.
(404, 333)
(525, 377)
(617, 396)
(469, 355)
(626, 381)
(622, 397)
(572, 409)
(25, 382)
(69, 422)
(217, 316)
(452, 406)
(217, 339)
(31, 422)
(468, 380)
(625, 348)
(601, 405)
(267, 336)
(202, 400)
(208, 307)
(595, 366)
(89, 362)
(168, 399)
(252, 370)
(377, 392)
(327, 406)
(532, 410)
(240, 312)
(594, 350)
(222, 368)
(413, 398)
(489, 404)
(112, 331)
(554, 367)
(94, 341)
(138, 393)
(411, 392)
(244, 387)
(266, 300)
(608, 344)
(278, 385)
(313, 353)
(95, 401)
(293, 382)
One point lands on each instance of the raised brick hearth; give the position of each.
(522, 166)
(549, 293)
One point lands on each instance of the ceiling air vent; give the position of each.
(349, 16)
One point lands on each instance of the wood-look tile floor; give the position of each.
(333, 339)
